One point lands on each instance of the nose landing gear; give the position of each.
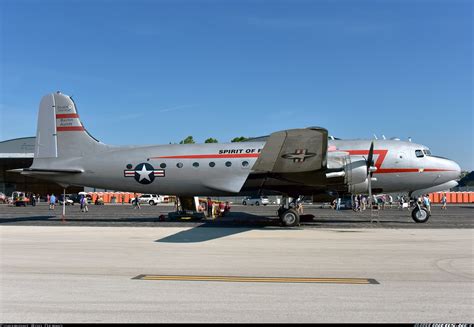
(420, 215)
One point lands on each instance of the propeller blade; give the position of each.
(370, 158)
(369, 186)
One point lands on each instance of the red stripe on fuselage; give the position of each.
(211, 156)
(70, 129)
(408, 170)
(381, 155)
(67, 116)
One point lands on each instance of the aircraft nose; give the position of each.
(453, 170)
(456, 170)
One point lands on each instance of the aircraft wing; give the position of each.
(294, 151)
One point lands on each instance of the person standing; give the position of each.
(136, 203)
(444, 202)
(52, 202)
(83, 201)
(427, 203)
(209, 207)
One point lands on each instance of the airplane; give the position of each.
(292, 163)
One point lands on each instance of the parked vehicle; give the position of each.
(19, 199)
(87, 195)
(3, 198)
(151, 199)
(68, 199)
(255, 200)
(76, 198)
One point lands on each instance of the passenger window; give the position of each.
(179, 165)
(212, 164)
(163, 165)
(419, 154)
(245, 163)
(228, 163)
(196, 164)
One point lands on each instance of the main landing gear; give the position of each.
(289, 217)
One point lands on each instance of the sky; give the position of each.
(154, 72)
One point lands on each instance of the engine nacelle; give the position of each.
(355, 172)
(358, 188)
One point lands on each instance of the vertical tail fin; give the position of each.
(60, 133)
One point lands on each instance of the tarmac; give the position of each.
(457, 216)
(335, 267)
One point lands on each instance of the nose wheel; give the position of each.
(420, 215)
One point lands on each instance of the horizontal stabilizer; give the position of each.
(294, 151)
(40, 171)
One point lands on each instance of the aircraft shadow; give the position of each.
(234, 223)
(21, 219)
(203, 233)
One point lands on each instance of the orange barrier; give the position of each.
(452, 197)
(107, 196)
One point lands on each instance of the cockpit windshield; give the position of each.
(427, 152)
(419, 153)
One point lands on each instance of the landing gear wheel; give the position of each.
(290, 218)
(420, 215)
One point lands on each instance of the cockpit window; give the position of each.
(427, 152)
(419, 153)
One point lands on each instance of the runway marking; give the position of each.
(244, 279)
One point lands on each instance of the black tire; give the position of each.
(290, 218)
(420, 215)
(257, 203)
(244, 203)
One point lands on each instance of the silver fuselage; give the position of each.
(226, 168)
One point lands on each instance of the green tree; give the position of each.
(239, 139)
(211, 140)
(188, 140)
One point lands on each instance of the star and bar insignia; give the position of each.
(299, 155)
(144, 173)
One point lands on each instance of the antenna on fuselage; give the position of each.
(409, 138)
(375, 136)
(383, 136)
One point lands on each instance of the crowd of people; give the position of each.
(360, 202)
(214, 208)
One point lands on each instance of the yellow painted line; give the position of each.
(258, 279)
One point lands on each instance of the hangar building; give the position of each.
(18, 153)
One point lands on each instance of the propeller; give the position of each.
(370, 171)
